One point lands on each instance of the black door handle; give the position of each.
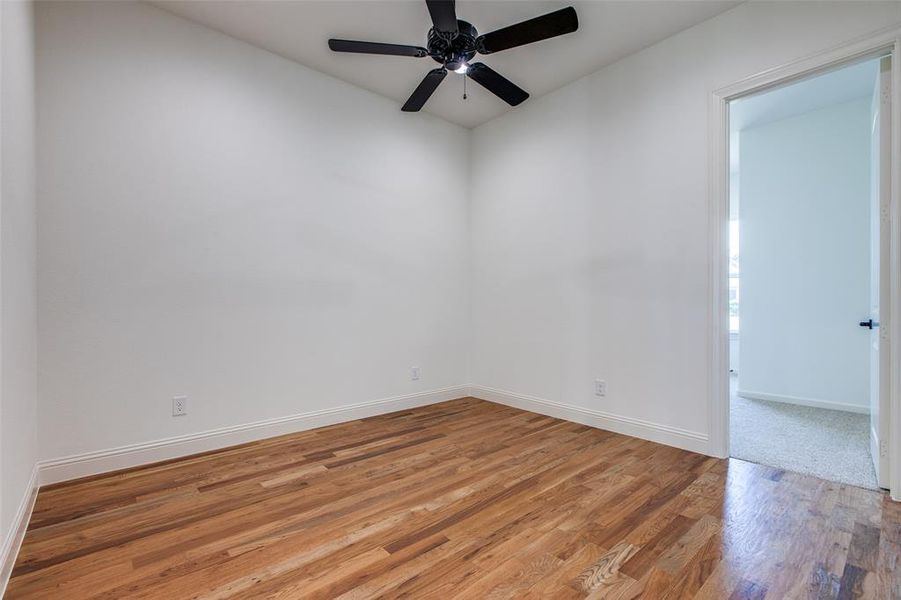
(869, 324)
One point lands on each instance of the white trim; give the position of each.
(19, 524)
(894, 325)
(801, 401)
(639, 428)
(857, 49)
(718, 276)
(888, 39)
(133, 455)
(874, 444)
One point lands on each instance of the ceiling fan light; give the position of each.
(462, 69)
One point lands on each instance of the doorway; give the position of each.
(809, 271)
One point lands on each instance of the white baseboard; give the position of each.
(655, 432)
(133, 455)
(800, 401)
(17, 527)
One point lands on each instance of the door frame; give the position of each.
(887, 41)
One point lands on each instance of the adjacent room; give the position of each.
(808, 263)
(432, 299)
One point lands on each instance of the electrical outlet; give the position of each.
(600, 387)
(414, 373)
(179, 406)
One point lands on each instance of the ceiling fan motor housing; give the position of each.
(453, 50)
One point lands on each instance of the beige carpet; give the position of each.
(830, 444)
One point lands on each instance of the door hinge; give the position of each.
(883, 449)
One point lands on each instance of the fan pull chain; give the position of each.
(464, 86)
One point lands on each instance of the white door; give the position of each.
(879, 275)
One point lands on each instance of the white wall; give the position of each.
(18, 382)
(805, 258)
(220, 222)
(590, 219)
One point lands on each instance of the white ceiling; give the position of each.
(299, 30)
(829, 89)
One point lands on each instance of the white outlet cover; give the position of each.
(414, 373)
(179, 406)
(600, 387)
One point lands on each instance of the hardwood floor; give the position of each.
(464, 499)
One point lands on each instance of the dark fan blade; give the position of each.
(376, 48)
(424, 90)
(444, 16)
(497, 84)
(533, 30)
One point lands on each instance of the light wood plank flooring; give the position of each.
(464, 499)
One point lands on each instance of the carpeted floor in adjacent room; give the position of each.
(830, 444)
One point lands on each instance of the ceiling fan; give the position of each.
(453, 43)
